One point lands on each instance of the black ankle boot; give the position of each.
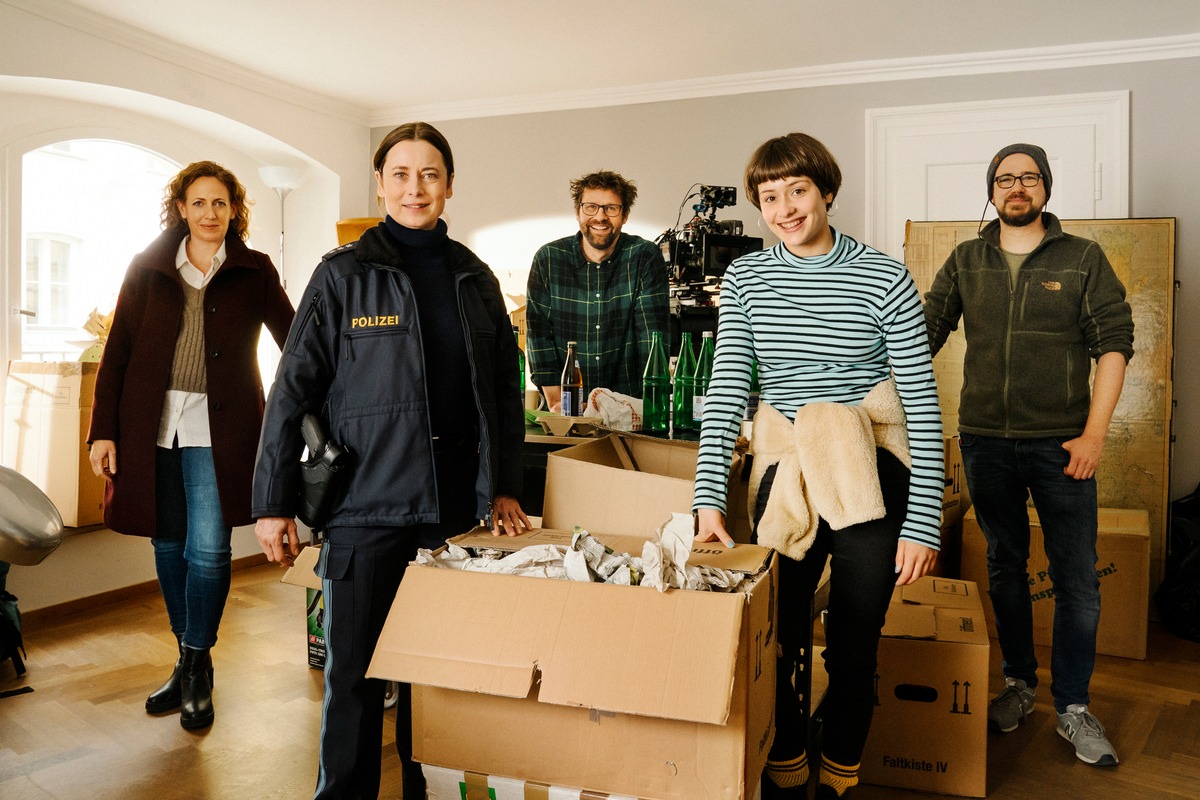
(196, 707)
(166, 697)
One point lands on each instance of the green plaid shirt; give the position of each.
(610, 309)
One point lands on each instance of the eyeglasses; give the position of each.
(1028, 180)
(610, 210)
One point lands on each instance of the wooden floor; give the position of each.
(83, 734)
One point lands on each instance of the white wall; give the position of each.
(59, 81)
(511, 170)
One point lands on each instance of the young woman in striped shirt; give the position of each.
(827, 319)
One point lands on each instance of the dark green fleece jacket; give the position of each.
(1029, 348)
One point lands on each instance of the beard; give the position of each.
(600, 241)
(1021, 219)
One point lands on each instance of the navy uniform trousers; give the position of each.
(360, 569)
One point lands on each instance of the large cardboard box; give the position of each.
(47, 413)
(929, 731)
(616, 689)
(302, 573)
(629, 483)
(1123, 566)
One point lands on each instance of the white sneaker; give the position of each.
(1084, 731)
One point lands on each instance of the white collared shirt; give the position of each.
(185, 414)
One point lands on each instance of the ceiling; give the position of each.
(386, 59)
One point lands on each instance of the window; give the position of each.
(88, 206)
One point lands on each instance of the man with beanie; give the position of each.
(1037, 306)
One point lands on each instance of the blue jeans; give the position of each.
(192, 554)
(1001, 475)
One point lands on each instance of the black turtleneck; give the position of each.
(447, 370)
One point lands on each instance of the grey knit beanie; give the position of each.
(1033, 151)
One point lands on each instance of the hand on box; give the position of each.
(913, 561)
(508, 517)
(710, 525)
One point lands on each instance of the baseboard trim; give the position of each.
(87, 605)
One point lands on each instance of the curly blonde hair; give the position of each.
(176, 192)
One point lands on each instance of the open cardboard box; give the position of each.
(630, 483)
(617, 689)
(929, 730)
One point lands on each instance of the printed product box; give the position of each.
(613, 689)
(451, 784)
(929, 732)
(1122, 564)
(47, 414)
(302, 573)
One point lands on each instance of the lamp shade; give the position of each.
(278, 178)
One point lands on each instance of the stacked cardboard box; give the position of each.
(1123, 566)
(955, 502)
(929, 731)
(47, 414)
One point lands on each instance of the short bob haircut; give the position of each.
(176, 192)
(605, 179)
(793, 156)
(414, 132)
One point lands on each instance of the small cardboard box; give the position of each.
(1123, 566)
(47, 413)
(302, 573)
(630, 484)
(929, 731)
(453, 784)
(618, 689)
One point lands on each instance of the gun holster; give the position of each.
(323, 474)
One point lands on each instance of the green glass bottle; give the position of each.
(656, 387)
(704, 366)
(520, 359)
(685, 384)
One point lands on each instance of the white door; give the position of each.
(930, 162)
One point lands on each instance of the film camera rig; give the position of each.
(699, 252)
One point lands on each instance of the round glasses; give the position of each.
(610, 209)
(1028, 180)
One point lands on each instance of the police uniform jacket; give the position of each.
(354, 357)
(131, 384)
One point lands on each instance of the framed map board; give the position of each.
(1134, 471)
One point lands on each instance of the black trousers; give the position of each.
(862, 577)
(361, 569)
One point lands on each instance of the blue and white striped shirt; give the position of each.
(824, 329)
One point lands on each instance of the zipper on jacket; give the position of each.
(485, 444)
(312, 312)
(352, 335)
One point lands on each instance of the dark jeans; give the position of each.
(361, 569)
(862, 577)
(1001, 475)
(192, 553)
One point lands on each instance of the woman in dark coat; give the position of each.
(178, 409)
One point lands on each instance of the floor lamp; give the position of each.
(282, 180)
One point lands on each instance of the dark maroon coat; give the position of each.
(131, 385)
